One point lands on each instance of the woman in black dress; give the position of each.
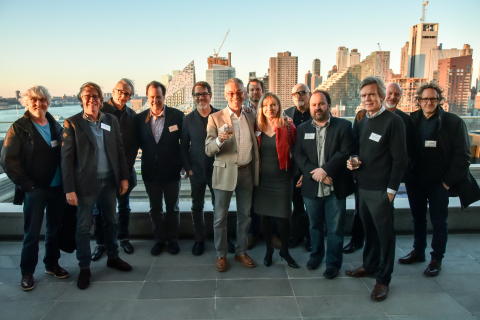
(273, 196)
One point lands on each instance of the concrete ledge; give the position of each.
(11, 219)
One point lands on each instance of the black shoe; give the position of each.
(27, 283)
(173, 248)
(352, 247)
(330, 273)
(308, 245)
(412, 257)
(118, 264)
(267, 260)
(291, 262)
(157, 249)
(231, 246)
(57, 272)
(83, 280)
(292, 243)
(313, 264)
(198, 248)
(98, 252)
(127, 246)
(433, 268)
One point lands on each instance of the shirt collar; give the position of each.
(376, 114)
(162, 115)
(230, 112)
(315, 125)
(101, 115)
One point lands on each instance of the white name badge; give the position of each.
(54, 143)
(375, 137)
(173, 128)
(105, 126)
(430, 143)
(309, 135)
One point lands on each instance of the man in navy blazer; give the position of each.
(158, 131)
(324, 143)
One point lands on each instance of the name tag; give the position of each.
(375, 137)
(54, 143)
(173, 128)
(309, 135)
(105, 126)
(430, 144)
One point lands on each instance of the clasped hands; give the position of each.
(320, 175)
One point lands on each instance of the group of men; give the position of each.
(428, 150)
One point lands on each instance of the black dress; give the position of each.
(273, 196)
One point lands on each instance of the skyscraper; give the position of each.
(316, 67)
(17, 94)
(423, 38)
(373, 65)
(179, 89)
(353, 58)
(404, 61)
(166, 78)
(308, 80)
(216, 77)
(342, 58)
(283, 75)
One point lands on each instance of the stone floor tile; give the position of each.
(43, 291)
(303, 272)
(237, 271)
(9, 261)
(173, 309)
(91, 310)
(469, 300)
(10, 248)
(458, 283)
(434, 317)
(339, 306)
(256, 308)
(103, 291)
(323, 287)
(178, 289)
(413, 284)
(464, 266)
(421, 303)
(185, 259)
(25, 310)
(254, 288)
(182, 273)
(110, 274)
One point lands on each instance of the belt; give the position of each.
(244, 166)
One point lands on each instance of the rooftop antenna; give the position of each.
(424, 11)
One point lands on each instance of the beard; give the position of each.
(300, 103)
(321, 116)
(202, 108)
(390, 106)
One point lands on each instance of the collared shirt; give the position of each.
(157, 123)
(300, 117)
(101, 115)
(119, 112)
(104, 168)
(324, 190)
(376, 114)
(241, 132)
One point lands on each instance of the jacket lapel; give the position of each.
(226, 117)
(86, 129)
(148, 127)
(329, 137)
(311, 144)
(166, 124)
(108, 138)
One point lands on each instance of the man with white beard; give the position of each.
(197, 164)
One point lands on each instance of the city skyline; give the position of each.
(62, 45)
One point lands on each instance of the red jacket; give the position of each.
(282, 139)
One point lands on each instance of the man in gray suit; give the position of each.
(230, 138)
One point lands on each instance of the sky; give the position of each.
(63, 44)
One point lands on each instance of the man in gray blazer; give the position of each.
(93, 168)
(230, 138)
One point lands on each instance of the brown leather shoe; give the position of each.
(358, 273)
(433, 268)
(222, 264)
(245, 260)
(119, 264)
(57, 272)
(412, 257)
(27, 283)
(380, 292)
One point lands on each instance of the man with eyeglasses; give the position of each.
(440, 168)
(94, 169)
(158, 131)
(197, 164)
(231, 139)
(117, 105)
(300, 113)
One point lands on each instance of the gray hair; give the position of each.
(93, 86)
(398, 86)
(35, 91)
(431, 85)
(128, 82)
(382, 91)
(237, 81)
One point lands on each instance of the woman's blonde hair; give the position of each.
(261, 119)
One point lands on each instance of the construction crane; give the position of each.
(424, 11)
(215, 52)
(384, 67)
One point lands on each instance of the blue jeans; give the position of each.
(107, 200)
(331, 211)
(34, 206)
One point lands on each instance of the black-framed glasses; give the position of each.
(425, 100)
(238, 94)
(204, 94)
(299, 93)
(126, 94)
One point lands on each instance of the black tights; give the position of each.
(283, 229)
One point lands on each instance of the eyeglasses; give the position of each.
(238, 94)
(88, 97)
(299, 93)
(425, 100)
(41, 100)
(198, 95)
(126, 94)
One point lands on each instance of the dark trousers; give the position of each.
(376, 212)
(421, 193)
(198, 187)
(299, 219)
(34, 206)
(358, 235)
(123, 202)
(164, 225)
